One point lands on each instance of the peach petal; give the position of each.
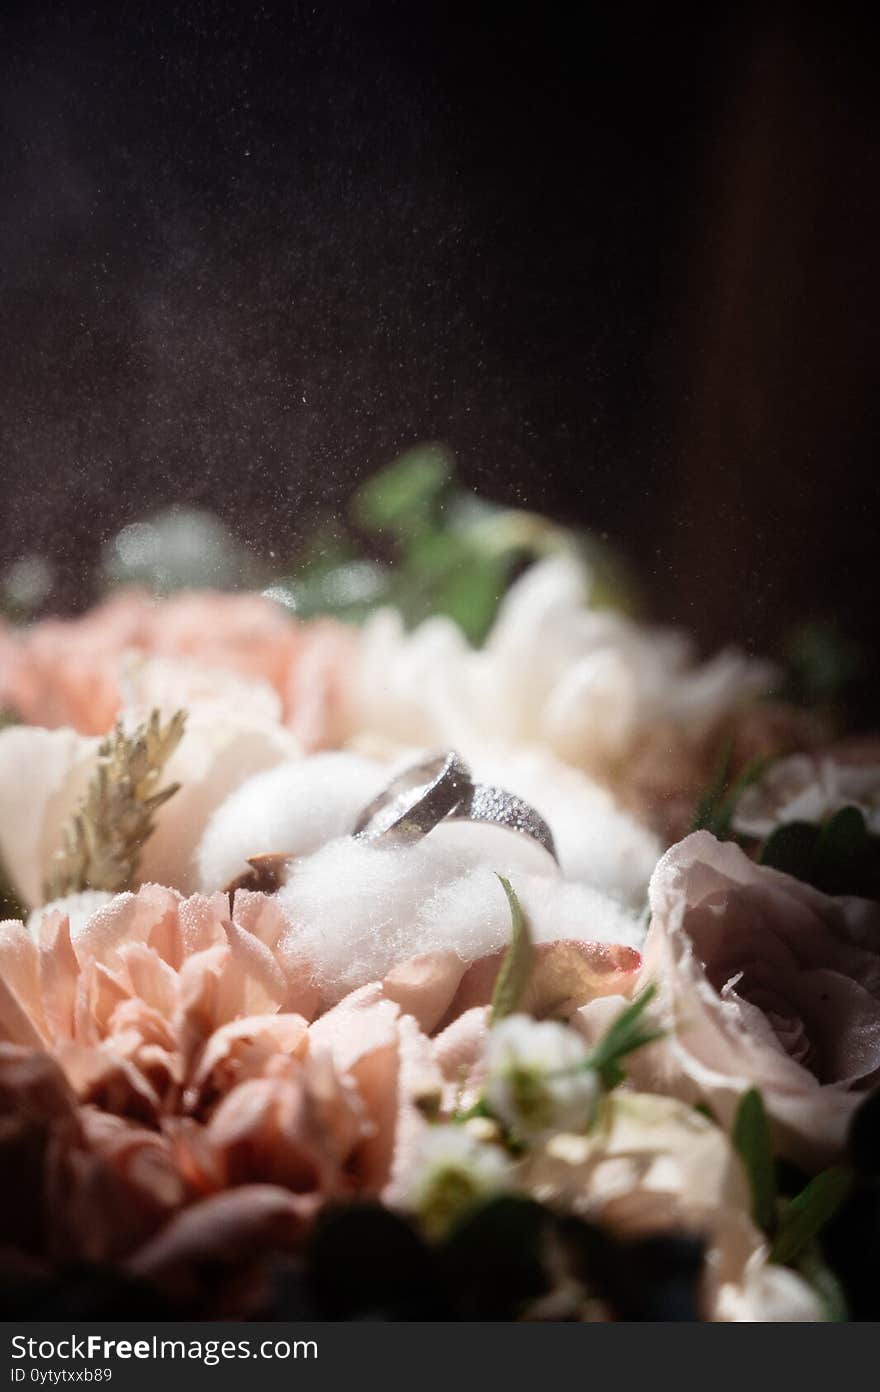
(109, 1081)
(419, 1079)
(197, 1015)
(565, 976)
(151, 978)
(220, 1237)
(21, 1016)
(253, 978)
(246, 1044)
(259, 915)
(425, 985)
(361, 1022)
(201, 922)
(98, 992)
(113, 1192)
(127, 918)
(264, 1131)
(59, 971)
(458, 1051)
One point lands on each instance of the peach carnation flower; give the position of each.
(76, 671)
(184, 1019)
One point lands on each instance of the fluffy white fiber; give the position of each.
(355, 910)
(294, 808)
(300, 806)
(597, 842)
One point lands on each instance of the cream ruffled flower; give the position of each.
(652, 1163)
(44, 775)
(585, 683)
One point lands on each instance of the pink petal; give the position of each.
(220, 1238)
(425, 985)
(59, 973)
(21, 1016)
(565, 975)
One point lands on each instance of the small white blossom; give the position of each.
(453, 1169)
(538, 1080)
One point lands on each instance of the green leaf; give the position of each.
(863, 1140)
(625, 1035)
(497, 1257)
(403, 497)
(792, 849)
(751, 1139)
(709, 808)
(516, 968)
(823, 663)
(805, 1217)
(816, 1271)
(718, 804)
(848, 855)
(838, 856)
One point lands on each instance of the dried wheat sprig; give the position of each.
(102, 842)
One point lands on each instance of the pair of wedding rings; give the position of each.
(441, 789)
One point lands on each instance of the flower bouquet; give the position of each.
(430, 939)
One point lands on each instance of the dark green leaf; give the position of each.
(495, 1258)
(814, 1269)
(751, 1139)
(863, 1142)
(822, 662)
(718, 804)
(804, 1218)
(838, 856)
(513, 978)
(792, 849)
(848, 855)
(709, 808)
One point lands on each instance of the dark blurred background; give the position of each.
(622, 260)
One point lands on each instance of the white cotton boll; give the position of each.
(472, 918)
(596, 841)
(78, 908)
(356, 909)
(292, 809)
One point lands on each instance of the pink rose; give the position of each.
(765, 982)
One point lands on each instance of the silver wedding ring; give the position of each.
(504, 809)
(442, 789)
(415, 801)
